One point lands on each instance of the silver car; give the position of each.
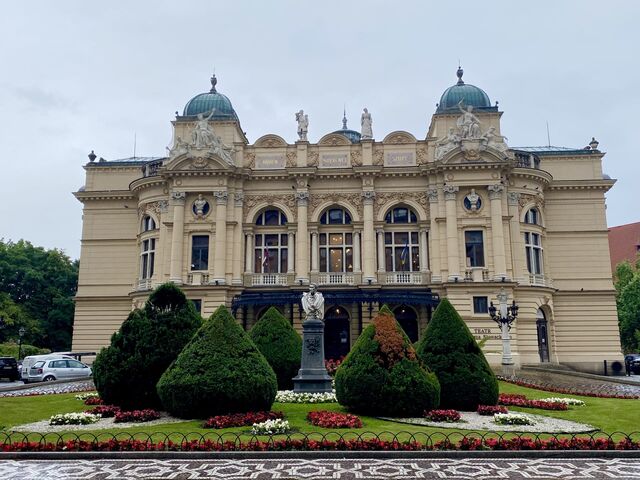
(57, 369)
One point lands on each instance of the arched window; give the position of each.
(148, 223)
(532, 217)
(401, 241)
(271, 247)
(335, 243)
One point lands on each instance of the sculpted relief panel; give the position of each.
(386, 199)
(251, 201)
(353, 199)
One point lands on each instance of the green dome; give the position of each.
(352, 135)
(470, 95)
(205, 102)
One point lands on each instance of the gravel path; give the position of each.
(48, 389)
(473, 421)
(104, 423)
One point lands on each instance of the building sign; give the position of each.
(269, 162)
(338, 160)
(481, 333)
(400, 159)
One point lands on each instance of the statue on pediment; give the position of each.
(468, 123)
(492, 139)
(366, 123)
(303, 125)
(203, 135)
(448, 143)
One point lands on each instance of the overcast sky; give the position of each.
(78, 75)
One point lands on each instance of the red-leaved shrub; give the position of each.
(328, 419)
(491, 409)
(240, 419)
(443, 415)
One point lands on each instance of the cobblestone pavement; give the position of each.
(47, 389)
(576, 384)
(261, 469)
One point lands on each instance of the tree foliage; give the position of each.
(220, 371)
(627, 283)
(42, 283)
(126, 372)
(280, 344)
(382, 374)
(449, 349)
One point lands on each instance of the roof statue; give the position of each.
(366, 123)
(468, 123)
(303, 125)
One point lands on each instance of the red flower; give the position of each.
(491, 409)
(328, 419)
(442, 415)
(137, 416)
(93, 401)
(241, 419)
(522, 401)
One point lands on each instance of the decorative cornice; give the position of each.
(105, 195)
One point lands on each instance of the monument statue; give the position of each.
(202, 135)
(199, 205)
(313, 303)
(474, 200)
(468, 123)
(303, 125)
(366, 122)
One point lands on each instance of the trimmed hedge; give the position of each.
(449, 349)
(280, 344)
(126, 372)
(382, 374)
(220, 371)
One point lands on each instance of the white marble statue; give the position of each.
(303, 125)
(492, 139)
(468, 123)
(199, 205)
(366, 123)
(202, 135)
(179, 147)
(313, 303)
(473, 198)
(447, 144)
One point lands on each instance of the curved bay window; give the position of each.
(147, 252)
(533, 251)
(271, 248)
(336, 244)
(401, 241)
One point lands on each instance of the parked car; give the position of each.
(9, 368)
(633, 359)
(58, 369)
(29, 361)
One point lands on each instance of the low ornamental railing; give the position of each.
(336, 279)
(330, 441)
(260, 279)
(404, 278)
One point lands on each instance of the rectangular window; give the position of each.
(533, 252)
(197, 303)
(147, 258)
(200, 252)
(474, 247)
(480, 305)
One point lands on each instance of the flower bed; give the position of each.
(491, 409)
(241, 419)
(84, 396)
(137, 416)
(442, 415)
(568, 401)
(271, 427)
(93, 400)
(565, 391)
(105, 411)
(332, 365)
(289, 444)
(73, 419)
(512, 419)
(289, 396)
(327, 419)
(517, 400)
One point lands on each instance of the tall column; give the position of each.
(356, 252)
(434, 235)
(291, 252)
(453, 250)
(314, 252)
(424, 257)
(497, 231)
(381, 262)
(177, 237)
(368, 238)
(518, 261)
(302, 238)
(219, 263)
(238, 199)
(248, 254)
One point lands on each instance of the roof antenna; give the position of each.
(134, 145)
(548, 136)
(344, 117)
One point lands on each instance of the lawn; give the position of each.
(609, 415)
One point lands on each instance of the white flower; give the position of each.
(270, 427)
(512, 419)
(84, 396)
(289, 396)
(73, 419)
(568, 401)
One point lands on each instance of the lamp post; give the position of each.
(21, 333)
(504, 316)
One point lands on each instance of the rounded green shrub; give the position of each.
(382, 374)
(220, 371)
(280, 344)
(449, 349)
(126, 372)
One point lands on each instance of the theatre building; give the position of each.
(371, 220)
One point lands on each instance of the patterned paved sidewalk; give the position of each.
(261, 469)
(577, 384)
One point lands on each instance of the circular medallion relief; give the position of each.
(200, 207)
(472, 201)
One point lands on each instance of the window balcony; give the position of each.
(267, 279)
(143, 284)
(540, 280)
(336, 279)
(403, 278)
(477, 274)
(197, 278)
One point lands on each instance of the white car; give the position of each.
(57, 369)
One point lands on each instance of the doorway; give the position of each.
(337, 341)
(543, 336)
(408, 320)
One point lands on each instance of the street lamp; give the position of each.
(21, 333)
(504, 316)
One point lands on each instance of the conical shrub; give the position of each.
(280, 344)
(219, 371)
(126, 372)
(382, 374)
(449, 349)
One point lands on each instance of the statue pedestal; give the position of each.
(312, 376)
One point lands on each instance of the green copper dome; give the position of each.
(470, 95)
(211, 100)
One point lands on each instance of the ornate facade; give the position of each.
(399, 220)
